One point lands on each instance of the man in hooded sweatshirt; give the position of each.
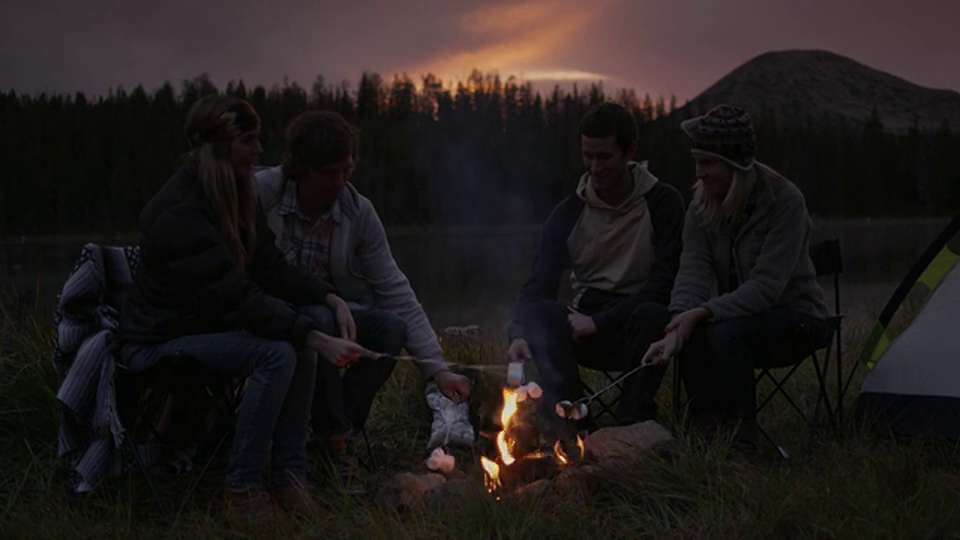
(619, 235)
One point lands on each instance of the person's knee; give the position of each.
(394, 331)
(324, 318)
(727, 344)
(544, 318)
(650, 314)
(281, 358)
(644, 326)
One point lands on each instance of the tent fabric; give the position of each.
(913, 387)
(925, 359)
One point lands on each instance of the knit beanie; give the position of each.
(725, 133)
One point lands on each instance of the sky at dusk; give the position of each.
(653, 46)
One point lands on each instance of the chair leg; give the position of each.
(128, 446)
(781, 450)
(203, 472)
(371, 461)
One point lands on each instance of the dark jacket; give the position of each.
(553, 257)
(189, 282)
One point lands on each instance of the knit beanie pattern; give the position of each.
(725, 132)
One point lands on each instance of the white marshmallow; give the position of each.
(534, 390)
(514, 373)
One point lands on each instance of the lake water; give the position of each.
(471, 276)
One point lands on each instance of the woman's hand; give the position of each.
(339, 352)
(684, 323)
(348, 328)
(660, 352)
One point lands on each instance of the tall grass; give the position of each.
(853, 485)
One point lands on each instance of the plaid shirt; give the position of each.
(306, 241)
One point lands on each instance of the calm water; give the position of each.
(471, 277)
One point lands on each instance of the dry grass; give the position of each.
(853, 485)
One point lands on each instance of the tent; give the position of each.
(913, 387)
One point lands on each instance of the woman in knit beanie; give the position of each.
(747, 232)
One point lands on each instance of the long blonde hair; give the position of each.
(212, 124)
(718, 212)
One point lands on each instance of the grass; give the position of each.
(854, 485)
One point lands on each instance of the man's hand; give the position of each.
(337, 351)
(454, 386)
(581, 325)
(518, 351)
(348, 328)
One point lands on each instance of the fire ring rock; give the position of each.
(407, 490)
(624, 443)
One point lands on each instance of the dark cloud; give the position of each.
(657, 47)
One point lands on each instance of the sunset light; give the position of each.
(520, 39)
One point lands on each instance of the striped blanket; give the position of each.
(86, 317)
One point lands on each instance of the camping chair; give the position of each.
(102, 401)
(827, 261)
(606, 404)
(148, 401)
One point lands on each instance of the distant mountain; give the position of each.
(819, 85)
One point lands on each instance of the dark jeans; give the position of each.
(557, 357)
(341, 403)
(718, 360)
(275, 406)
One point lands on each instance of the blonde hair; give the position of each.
(212, 125)
(728, 210)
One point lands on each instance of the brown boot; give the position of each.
(295, 498)
(340, 460)
(250, 504)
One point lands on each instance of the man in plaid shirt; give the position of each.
(322, 223)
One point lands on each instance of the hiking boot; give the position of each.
(338, 460)
(250, 504)
(295, 498)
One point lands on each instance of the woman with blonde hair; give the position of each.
(213, 286)
(747, 234)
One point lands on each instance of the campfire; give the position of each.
(519, 458)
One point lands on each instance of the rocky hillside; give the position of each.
(818, 85)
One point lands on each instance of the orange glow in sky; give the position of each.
(520, 39)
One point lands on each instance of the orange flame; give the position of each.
(562, 457)
(491, 474)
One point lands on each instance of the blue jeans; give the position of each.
(341, 403)
(275, 406)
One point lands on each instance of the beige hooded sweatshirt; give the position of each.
(611, 248)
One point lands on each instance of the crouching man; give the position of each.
(322, 223)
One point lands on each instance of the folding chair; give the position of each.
(827, 260)
(106, 406)
(144, 401)
(605, 405)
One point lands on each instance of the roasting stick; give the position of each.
(577, 409)
(373, 355)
